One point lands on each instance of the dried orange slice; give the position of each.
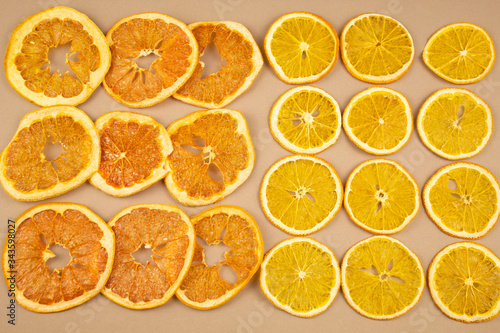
(27, 174)
(138, 36)
(238, 49)
(213, 155)
(88, 239)
(203, 288)
(170, 235)
(134, 148)
(27, 56)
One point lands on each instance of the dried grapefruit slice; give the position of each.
(138, 36)
(27, 56)
(134, 148)
(169, 233)
(238, 49)
(91, 246)
(204, 141)
(27, 174)
(203, 288)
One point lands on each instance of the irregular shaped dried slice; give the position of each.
(91, 245)
(141, 35)
(26, 173)
(220, 139)
(134, 148)
(27, 56)
(168, 232)
(203, 288)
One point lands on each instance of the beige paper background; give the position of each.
(250, 311)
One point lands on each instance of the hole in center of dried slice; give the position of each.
(460, 113)
(227, 273)
(215, 173)
(298, 120)
(59, 259)
(452, 184)
(146, 59)
(214, 253)
(52, 150)
(212, 59)
(372, 270)
(143, 254)
(59, 57)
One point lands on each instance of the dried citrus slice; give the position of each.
(382, 278)
(301, 194)
(88, 239)
(460, 53)
(376, 48)
(300, 276)
(27, 174)
(168, 232)
(242, 58)
(463, 199)
(213, 155)
(378, 120)
(203, 288)
(141, 35)
(301, 47)
(455, 123)
(381, 196)
(305, 120)
(134, 148)
(464, 280)
(26, 58)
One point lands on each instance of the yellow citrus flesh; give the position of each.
(382, 278)
(243, 62)
(305, 120)
(460, 53)
(203, 288)
(88, 239)
(464, 281)
(301, 47)
(455, 123)
(27, 65)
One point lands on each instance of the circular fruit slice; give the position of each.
(134, 148)
(376, 48)
(168, 232)
(300, 276)
(464, 281)
(381, 196)
(460, 53)
(203, 288)
(213, 155)
(300, 194)
(455, 123)
(301, 47)
(305, 120)
(463, 199)
(142, 35)
(379, 120)
(88, 239)
(28, 175)
(26, 58)
(382, 278)
(242, 58)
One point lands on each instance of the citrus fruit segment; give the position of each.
(88, 239)
(378, 120)
(455, 123)
(460, 53)
(305, 120)
(464, 281)
(381, 196)
(143, 35)
(301, 47)
(463, 199)
(203, 288)
(376, 48)
(300, 276)
(28, 175)
(242, 58)
(382, 278)
(134, 149)
(168, 232)
(27, 65)
(213, 155)
(301, 194)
